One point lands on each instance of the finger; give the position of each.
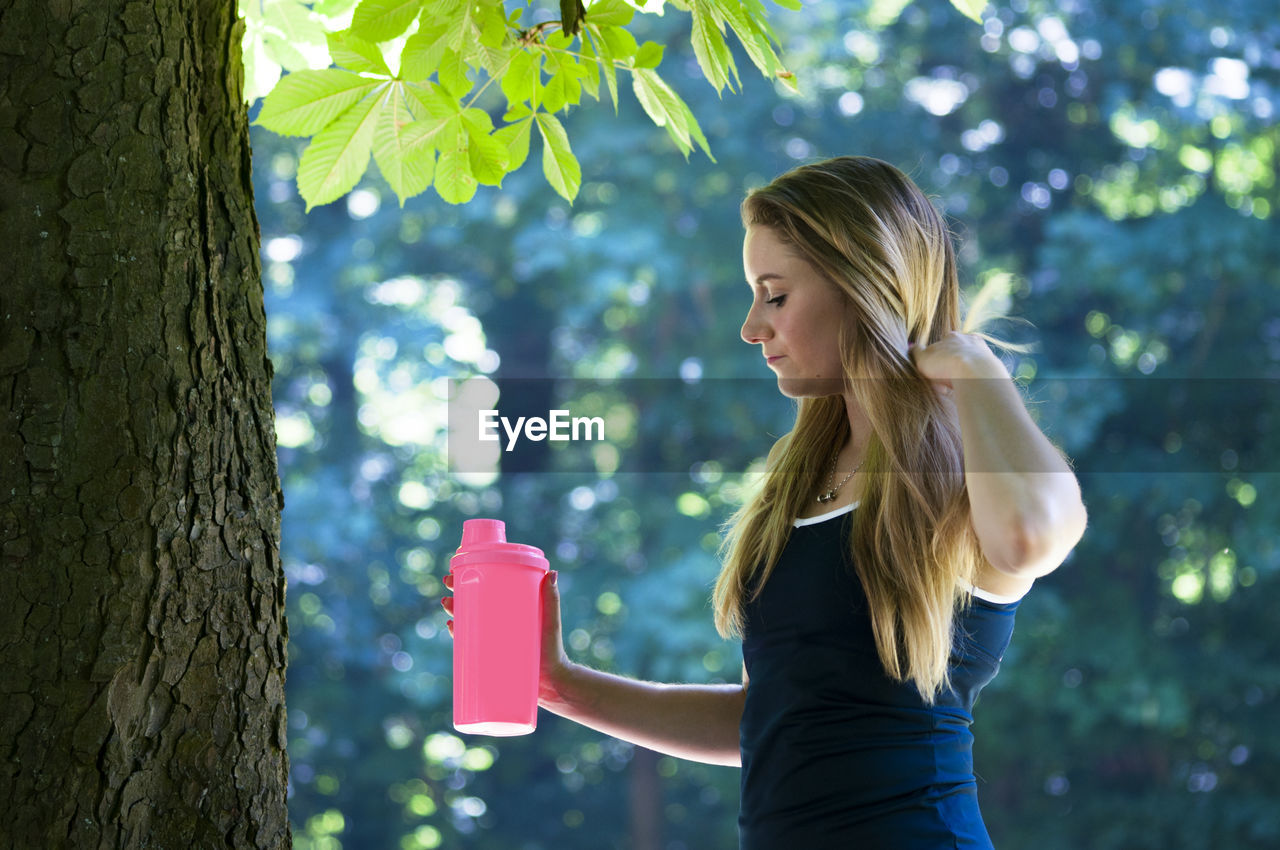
(447, 603)
(550, 602)
(448, 580)
(449, 624)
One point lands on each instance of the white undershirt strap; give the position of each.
(987, 595)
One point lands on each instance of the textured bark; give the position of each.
(142, 633)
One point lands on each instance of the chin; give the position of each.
(810, 387)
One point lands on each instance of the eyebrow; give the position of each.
(766, 276)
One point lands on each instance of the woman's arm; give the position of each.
(1024, 499)
(695, 722)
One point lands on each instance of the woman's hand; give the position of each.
(555, 663)
(955, 356)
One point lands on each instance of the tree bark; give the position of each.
(142, 636)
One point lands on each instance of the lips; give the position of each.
(774, 359)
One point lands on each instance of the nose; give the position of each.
(754, 330)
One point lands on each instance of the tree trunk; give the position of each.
(142, 639)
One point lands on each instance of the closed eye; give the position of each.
(777, 300)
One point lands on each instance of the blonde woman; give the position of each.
(874, 574)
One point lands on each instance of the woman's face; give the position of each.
(795, 317)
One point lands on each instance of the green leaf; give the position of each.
(427, 99)
(620, 44)
(470, 23)
(493, 26)
(337, 157)
(666, 109)
(552, 96)
(301, 42)
(407, 170)
(793, 5)
(486, 43)
(589, 69)
(649, 55)
(382, 20)
(611, 78)
(439, 128)
(462, 29)
(559, 165)
(516, 139)
(605, 60)
(612, 13)
(305, 102)
(709, 48)
(427, 134)
(559, 40)
(522, 73)
(518, 112)
(653, 95)
(452, 74)
(454, 181)
(494, 60)
(261, 72)
(356, 54)
(489, 158)
(971, 9)
(422, 52)
(754, 34)
(565, 86)
(755, 12)
(476, 121)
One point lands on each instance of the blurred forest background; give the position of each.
(1111, 166)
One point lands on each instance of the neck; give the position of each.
(855, 446)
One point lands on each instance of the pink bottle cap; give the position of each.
(485, 541)
(477, 532)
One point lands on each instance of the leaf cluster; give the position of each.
(408, 73)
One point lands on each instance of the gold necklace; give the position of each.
(830, 493)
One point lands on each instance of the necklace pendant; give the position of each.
(827, 496)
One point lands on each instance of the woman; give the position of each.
(874, 574)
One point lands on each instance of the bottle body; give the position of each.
(497, 634)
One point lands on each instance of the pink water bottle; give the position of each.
(497, 631)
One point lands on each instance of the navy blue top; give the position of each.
(835, 754)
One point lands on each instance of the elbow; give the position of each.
(1037, 549)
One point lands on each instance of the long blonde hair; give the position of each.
(870, 231)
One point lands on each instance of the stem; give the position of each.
(533, 34)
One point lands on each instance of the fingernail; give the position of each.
(554, 574)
